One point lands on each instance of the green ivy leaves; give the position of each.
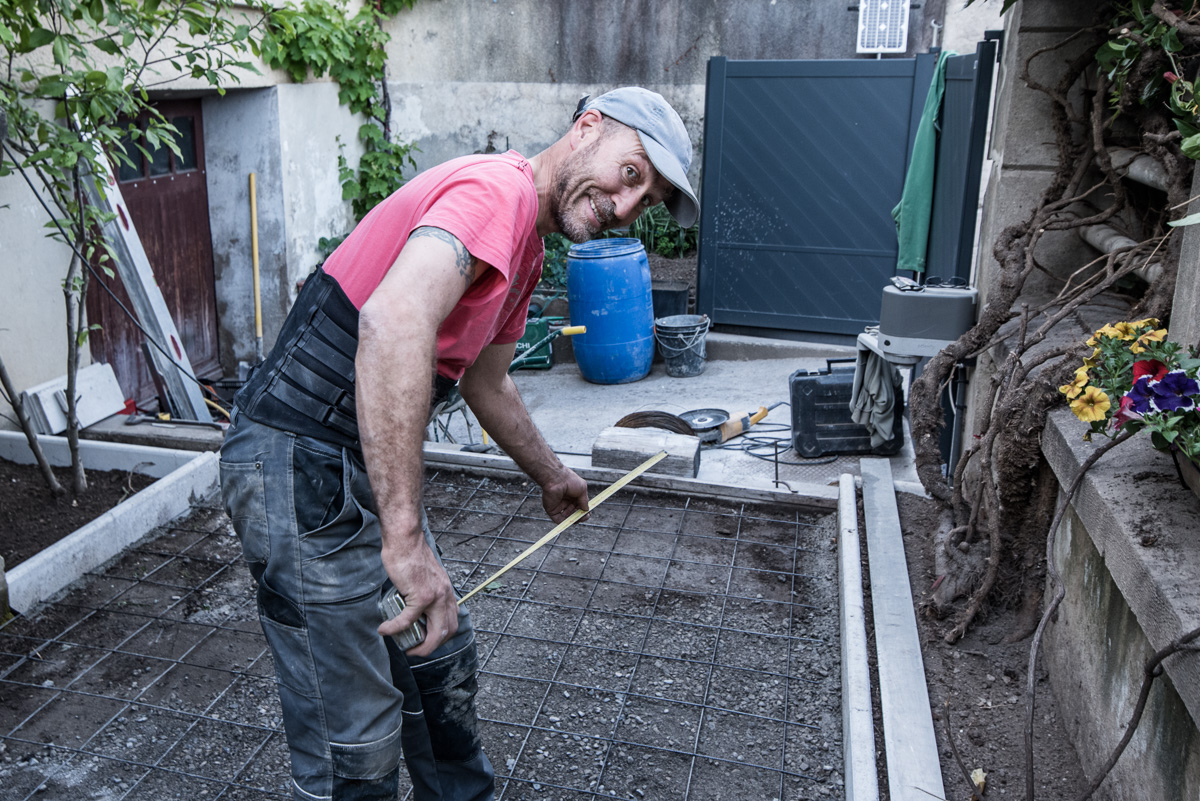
(1138, 34)
(319, 37)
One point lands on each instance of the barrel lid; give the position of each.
(606, 248)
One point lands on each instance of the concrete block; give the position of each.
(1094, 651)
(1011, 198)
(1185, 309)
(1065, 15)
(1028, 136)
(1131, 496)
(626, 448)
(1063, 253)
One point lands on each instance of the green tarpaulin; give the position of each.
(912, 214)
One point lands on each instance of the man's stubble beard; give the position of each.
(576, 227)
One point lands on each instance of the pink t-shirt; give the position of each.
(490, 204)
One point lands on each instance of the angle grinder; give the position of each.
(716, 425)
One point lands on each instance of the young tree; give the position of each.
(74, 82)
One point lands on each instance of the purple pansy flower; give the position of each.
(1174, 392)
(1139, 394)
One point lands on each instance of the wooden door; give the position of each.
(167, 197)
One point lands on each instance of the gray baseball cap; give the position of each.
(663, 137)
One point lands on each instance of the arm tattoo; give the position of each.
(463, 259)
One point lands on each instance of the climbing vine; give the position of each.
(1128, 84)
(321, 38)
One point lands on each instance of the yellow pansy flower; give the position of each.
(1092, 360)
(1091, 405)
(1150, 321)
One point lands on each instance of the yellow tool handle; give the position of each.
(572, 330)
(570, 521)
(740, 424)
(254, 257)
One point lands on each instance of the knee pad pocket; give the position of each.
(366, 761)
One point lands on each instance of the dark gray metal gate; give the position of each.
(803, 163)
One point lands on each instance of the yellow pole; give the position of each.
(258, 349)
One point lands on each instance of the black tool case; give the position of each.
(821, 421)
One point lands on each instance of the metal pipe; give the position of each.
(258, 348)
(1106, 239)
(1140, 167)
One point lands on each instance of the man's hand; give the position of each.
(563, 494)
(426, 590)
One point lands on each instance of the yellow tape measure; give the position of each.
(570, 521)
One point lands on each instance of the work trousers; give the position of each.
(352, 701)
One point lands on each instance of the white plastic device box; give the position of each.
(920, 322)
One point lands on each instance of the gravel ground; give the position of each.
(669, 648)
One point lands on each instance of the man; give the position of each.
(432, 287)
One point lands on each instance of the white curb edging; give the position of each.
(858, 725)
(183, 476)
(913, 764)
(144, 459)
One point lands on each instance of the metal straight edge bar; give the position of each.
(858, 726)
(570, 521)
(913, 765)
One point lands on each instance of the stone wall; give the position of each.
(1128, 551)
(1129, 555)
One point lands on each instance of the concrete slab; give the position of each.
(571, 413)
(914, 769)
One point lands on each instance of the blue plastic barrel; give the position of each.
(608, 288)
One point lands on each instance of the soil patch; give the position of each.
(681, 270)
(31, 518)
(983, 679)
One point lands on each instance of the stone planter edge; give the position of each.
(183, 478)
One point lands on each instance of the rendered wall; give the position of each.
(33, 317)
(241, 136)
(288, 137)
(310, 125)
(462, 71)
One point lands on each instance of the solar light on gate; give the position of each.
(882, 26)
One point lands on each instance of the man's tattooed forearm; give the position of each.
(463, 259)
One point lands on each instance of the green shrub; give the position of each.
(659, 232)
(656, 229)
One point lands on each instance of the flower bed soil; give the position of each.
(981, 682)
(31, 518)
